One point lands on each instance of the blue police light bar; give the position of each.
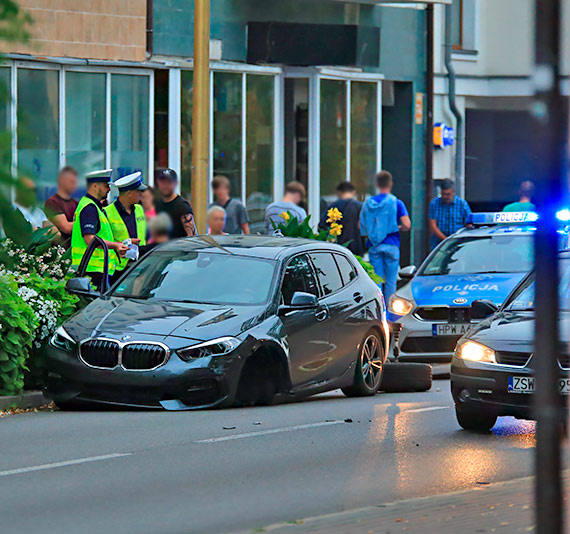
(502, 217)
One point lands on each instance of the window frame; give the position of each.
(472, 48)
(354, 269)
(316, 273)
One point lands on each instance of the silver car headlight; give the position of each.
(215, 347)
(475, 352)
(63, 341)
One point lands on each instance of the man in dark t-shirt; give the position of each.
(171, 203)
(60, 208)
(350, 209)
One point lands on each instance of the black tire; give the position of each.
(258, 383)
(474, 421)
(406, 377)
(369, 368)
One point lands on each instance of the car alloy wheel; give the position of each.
(371, 362)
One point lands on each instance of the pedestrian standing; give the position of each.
(294, 196)
(89, 221)
(237, 219)
(350, 209)
(127, 217)
(60, 207)
(147, 202)
(447, 213)
(173, 204)
(26, 202)
(381, 219)
(526, 192)
(217, 220)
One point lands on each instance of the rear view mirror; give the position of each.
(481, 309)
(81, 287)
(407, 273)
(300, 301)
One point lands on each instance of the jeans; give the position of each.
(386, 261)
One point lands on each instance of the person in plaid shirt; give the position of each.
(447, 213)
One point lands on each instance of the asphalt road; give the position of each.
(222, 471)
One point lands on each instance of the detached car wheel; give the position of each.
(475, 421)
(369, 368)
(406, 377)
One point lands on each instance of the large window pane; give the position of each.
(85, 120)
(259, 148)
(333, 137)
(129, 122)
(227, 128)
(38, 127)
(186, 131)
(363, 136)
(5, 100)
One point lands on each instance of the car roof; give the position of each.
(502, 229)
(258, 246)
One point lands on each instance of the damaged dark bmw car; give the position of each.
(200, 323)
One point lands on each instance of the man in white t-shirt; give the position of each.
(26, 198)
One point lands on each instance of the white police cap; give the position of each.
(130, 182)
(99, 176)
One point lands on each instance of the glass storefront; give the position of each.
(85, 120)
(130, 122)
(259, 145)
(38, 126)
(187, 85)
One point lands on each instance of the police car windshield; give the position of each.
(482, 254)
(522, 298)
(200, 277)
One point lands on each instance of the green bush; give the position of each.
(18, 325)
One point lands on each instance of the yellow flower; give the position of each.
(336, 229)
(334, 215)
(285, 216)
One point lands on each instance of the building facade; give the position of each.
(318, 91)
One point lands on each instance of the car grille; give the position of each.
(108, 354)
(142, 356)
(430, 344)
(100, 353)
(512, 358)
(450, 315)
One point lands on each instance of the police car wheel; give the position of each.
(476, 421)
(369, 368)
(406, 378)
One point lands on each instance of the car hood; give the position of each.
(462, 290)
(117, 317)
(514, 331)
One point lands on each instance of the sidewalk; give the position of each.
(503, 507)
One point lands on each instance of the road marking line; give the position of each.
(430, 409)
(62, 464)
(266, 432)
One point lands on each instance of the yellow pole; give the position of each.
(200, 112)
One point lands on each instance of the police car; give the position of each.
(482, 262)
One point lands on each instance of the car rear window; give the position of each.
(347, 269)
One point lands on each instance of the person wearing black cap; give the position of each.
(90, 220)
(171, 203)
(127, 217)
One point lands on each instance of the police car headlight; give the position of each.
(215, 347)
(62, 340)
(399, 305)
(475, 352)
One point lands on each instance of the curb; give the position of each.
(29, 399)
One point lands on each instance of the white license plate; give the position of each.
(449, 329)
(525, 384)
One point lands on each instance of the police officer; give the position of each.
(90, 220)
(127, 217)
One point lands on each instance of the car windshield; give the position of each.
(202, 277)
(522, 298)
(483, 254)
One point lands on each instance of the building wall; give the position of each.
(91, 29)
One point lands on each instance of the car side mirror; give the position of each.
(407, 273)
(483, 308)
(301, 301)
(82, 287)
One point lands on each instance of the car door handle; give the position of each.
(358, 297)
(321, 315)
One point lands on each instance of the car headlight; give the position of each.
(215, 347)
(399, 305)
(475, 352)
(63, 341)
